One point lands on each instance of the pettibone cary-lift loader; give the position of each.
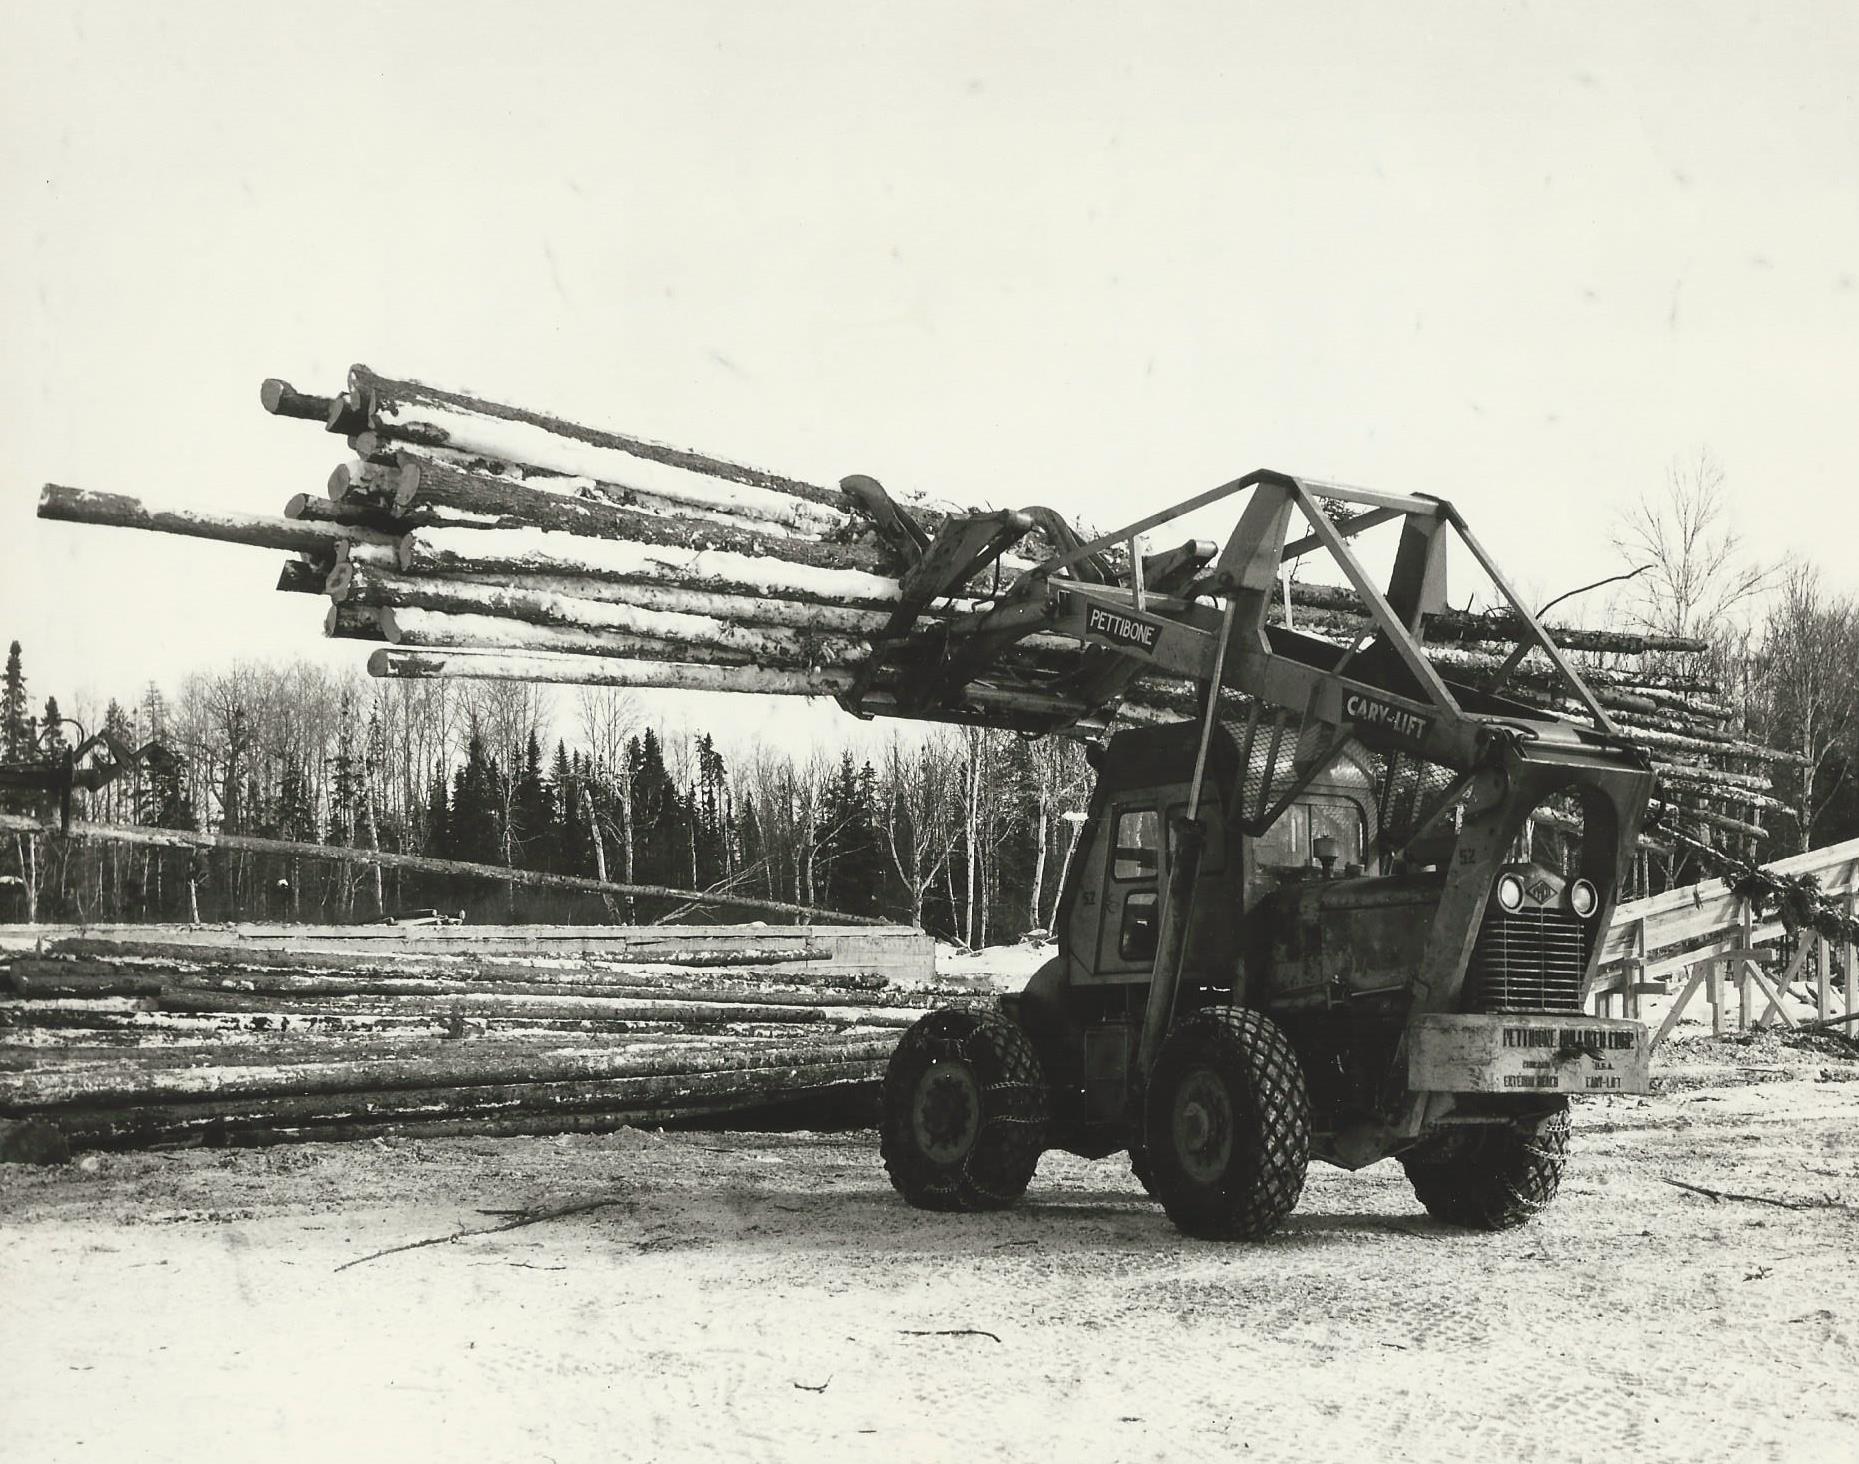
(1306, 923)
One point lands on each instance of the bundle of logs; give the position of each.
(126, 1042)
(477, 539)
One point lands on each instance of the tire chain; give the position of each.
(1280, 1114)
(1497, 1183)
(1008, 1140)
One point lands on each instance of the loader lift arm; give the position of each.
(1204, 620)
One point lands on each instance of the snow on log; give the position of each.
(396, 418)
(393, 399)
(651, 637)
(127, 1082)
(426, 484)
(545, 551)
(602, 604)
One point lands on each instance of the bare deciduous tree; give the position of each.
(1700, 574)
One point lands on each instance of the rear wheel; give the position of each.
(1226, 1125)
(965, 1112)
(1491, 1178)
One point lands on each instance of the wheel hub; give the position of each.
(946, 1115)
(1202, 1126)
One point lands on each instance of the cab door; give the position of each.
(1130, 882)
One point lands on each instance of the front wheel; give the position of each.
(1226, 1125)
(1492, 1178)
(965, 1112)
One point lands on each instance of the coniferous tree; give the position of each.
(14, 721)
(52, 742)
(532, 811)
(294, 816)
(477, 831)
(439, 815)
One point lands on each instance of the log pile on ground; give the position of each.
(477, 539)
(120, 1042)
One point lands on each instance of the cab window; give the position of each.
(1288, 844)
(1138, 838)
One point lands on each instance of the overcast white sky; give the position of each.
(1094, 255)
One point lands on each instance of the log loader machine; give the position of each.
(1311, 921)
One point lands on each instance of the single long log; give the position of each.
(668, 1113)
(169, 1121)
(129, 1082)
(188, 839)
(686, 1012)
(543, 551)
(76, 979)
(633, 948)
(417, 411)
(495, 501)
(603, 671)
(984, 702)
(118, 510)
(678, 638)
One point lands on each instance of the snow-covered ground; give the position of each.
(746, 1296)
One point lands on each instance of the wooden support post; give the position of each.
(1823, 990)
(1694, 978)
(1751, 974)
(1714, 969)
(1846, 959)
(1746, 922)
(1637, 972)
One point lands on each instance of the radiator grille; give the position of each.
(1527, 961)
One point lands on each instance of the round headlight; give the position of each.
(1510, 892)
(1584, 899)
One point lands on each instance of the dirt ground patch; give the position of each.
(766, 1296)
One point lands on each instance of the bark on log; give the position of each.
(49, 978)
(696, 1111)
(1500, 627)
(603, 671)
(169, 1121)
(685, 1012)
(501, 502)
(360, 484)
(303, 577)
(353, 622)
(983, 703)
(632, 947)
(118, 1084)
(281, 399)
(316, 509)
(117, 510)
(187, 839)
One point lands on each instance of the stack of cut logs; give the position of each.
(487, 541)
(123, 1041)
